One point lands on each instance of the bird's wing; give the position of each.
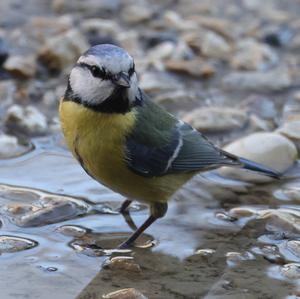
(160, 144)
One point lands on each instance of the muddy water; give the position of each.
(67, 226)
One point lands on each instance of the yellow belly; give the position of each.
(97, 140)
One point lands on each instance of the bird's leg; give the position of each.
(125, 205)
(157, 210)
(125, 213)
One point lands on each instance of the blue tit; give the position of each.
(127, 142)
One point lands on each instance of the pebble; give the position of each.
(177, 96)
(72, 230)
(62, 50)
(10, 147)
(48, 209)
(88, 8)
(251, 55)
(100, 27)
(134, 14)
(194, 67)
(291, 130)
(265, 81)
(294, 247)
(270, 149)
(216, 119)
(158, 82)
(125, 294)
(214, 45)
(21, 66)
(125, 263)
(28, 120)
(9, 244)
(291, 271)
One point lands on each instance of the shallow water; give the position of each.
(201, 249)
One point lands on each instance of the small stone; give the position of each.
(72, 230)
(9, 147)
(100, 27)
(21, 66)
(294, 247)
(63, 50)
(291, 271)
(49, 209)
(205, 252)
(26, 119)
(9, 244)
(215, 46)
(125, 294)
(260, 106)
(251, 55)
(177, 96)
(215, 119)
(269, 149)
(158, 82)
(241, 212)
(174, 21)
(88, 8)
(194, 67)
(161, 51)
(272, 80)
(233, 257)
(136, 13)
(125, 263)
(291, 130)
(283, 219)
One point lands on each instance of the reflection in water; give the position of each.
(218, 238)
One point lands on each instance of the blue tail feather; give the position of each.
(250, 165)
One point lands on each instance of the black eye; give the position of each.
(131, 70)
(97, 72)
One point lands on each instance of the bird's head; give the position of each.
(104, 76)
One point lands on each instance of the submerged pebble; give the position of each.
(72, 230)
(9, 244)
(291, 271)
(50, 209)
(123, 263)
(10, 147)
(125, 294)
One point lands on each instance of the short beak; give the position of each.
(122, 79)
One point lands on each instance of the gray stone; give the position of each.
(21, 66)
(27, 119)
(63, 50)
(216, 119)
(272, 80)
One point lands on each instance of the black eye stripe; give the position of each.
(95, 71)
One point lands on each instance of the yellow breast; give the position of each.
(98, 139)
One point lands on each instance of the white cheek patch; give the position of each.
(90, 89)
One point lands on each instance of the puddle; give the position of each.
(217, 235)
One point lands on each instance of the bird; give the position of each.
(128, 143)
